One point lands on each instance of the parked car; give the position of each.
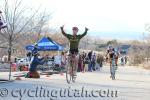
(22, 61)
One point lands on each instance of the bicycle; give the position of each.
(113, 68)
(71, 69)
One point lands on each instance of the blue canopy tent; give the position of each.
(46, 44)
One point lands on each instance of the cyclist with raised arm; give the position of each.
(74, 40)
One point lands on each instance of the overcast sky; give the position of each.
(100, 16)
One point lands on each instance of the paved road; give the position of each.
(131, 84)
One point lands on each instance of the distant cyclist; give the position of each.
(110, 53)
(112, 57)
(74, 40)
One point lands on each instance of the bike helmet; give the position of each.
(35, 51)
(75, 28)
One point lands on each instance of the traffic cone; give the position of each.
(47, 75)
(61, 73)
(18, 78)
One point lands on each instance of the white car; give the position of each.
(22, 61)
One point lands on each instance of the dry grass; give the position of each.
(146, 65)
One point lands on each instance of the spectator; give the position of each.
(86, 62)
(29, 56)
(89, 57)
(122, 61)
(93, 62)
(83, 57)
(99, 62)
(126, 59)
(46, 60)
(63, 59)
(53, 58)
(80, 63)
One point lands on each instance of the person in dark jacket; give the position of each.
(93, 62)
(99, 62)
(89, 64)
(29, 56)
(35, 61)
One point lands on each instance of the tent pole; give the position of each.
(57, 52)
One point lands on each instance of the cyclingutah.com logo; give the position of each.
(57, 94)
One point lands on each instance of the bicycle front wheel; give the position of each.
(74, 73)
(68, 74)
(112, 70)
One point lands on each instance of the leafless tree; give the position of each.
(40, 24)
(18, 19)
(86, 42)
